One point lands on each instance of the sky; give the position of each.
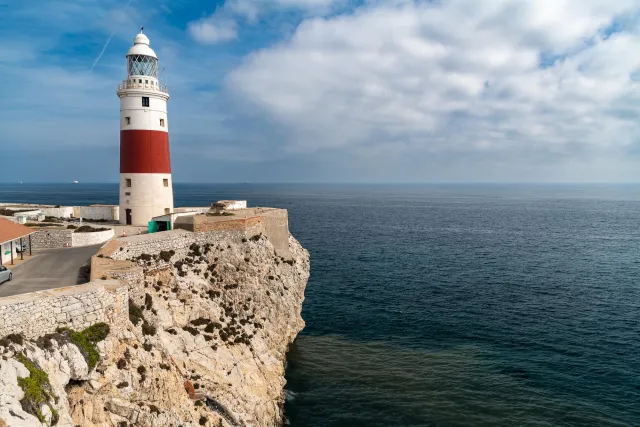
(330, 90)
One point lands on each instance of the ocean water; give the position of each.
(452, 305)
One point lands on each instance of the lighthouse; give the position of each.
(146, 188)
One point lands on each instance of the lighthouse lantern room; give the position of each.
(146, 188)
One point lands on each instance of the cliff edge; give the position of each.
(210, 319)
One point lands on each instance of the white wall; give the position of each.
(148, 197)
(144, 118)
(204, 209)
(109, 213)
(88, 239)
(28, 214)
(236, 204)
(61, 212)
(6, 259)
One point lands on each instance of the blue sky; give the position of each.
(331, 90)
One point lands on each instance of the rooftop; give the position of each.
(10, 231)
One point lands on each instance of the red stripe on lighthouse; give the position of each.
(144, 151)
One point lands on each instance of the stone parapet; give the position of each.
(38, 313)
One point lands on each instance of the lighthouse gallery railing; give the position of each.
(128, 85)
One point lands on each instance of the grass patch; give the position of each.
(37, 390)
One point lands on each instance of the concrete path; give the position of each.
(50, 268)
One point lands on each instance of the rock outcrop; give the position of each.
(209, 329)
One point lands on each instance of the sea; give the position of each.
(454, 304)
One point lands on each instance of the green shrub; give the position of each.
(15, 338)
(142, 372)
(37, 390)
(200, 321)
(148, 301)
(89, 229)
(148, 329)
(87, 349)
(96, 333)
(135, 314)
(86, 341)
(166, 255)
(192, 331)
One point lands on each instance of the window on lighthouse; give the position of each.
(162, 122)
(145, 101)
(128, 120)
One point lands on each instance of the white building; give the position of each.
(12, 235)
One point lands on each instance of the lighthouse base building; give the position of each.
(146, 187)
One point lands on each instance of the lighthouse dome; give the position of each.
(141, 46)
(141, 39)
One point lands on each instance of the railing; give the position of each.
(126, 84)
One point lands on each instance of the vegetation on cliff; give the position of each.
(37, 390)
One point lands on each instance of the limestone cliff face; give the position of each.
(206, 344)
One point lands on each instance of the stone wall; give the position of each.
(48, 238)
(273, 224)
(77, 307)
(126, 272)
(88, 239)
(134, 246)
(51, 238)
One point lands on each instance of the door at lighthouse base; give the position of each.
(128, 213)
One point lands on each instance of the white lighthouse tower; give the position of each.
(146, 188)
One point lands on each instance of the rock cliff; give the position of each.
(205, 346)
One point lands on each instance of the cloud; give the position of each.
(459, 76)
(386, 90)
(213, 30)
(222, 24)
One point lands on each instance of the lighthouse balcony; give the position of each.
(155, 86)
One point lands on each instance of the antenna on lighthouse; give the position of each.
(141, 28)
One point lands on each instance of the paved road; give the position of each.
(51, 268)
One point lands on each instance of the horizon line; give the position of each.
(344, 183)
